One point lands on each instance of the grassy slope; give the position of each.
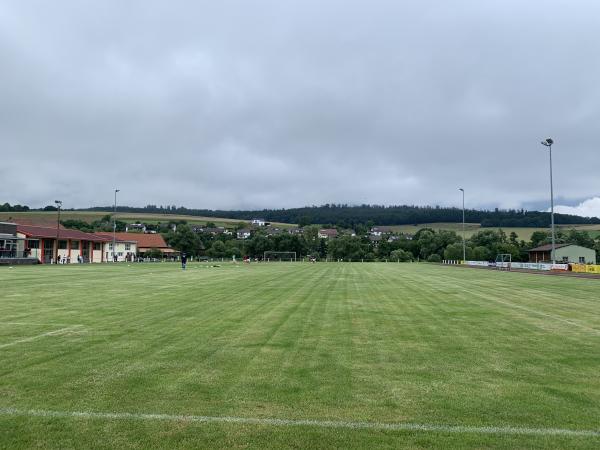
(360, 342)
(472, 228)
(48, 218)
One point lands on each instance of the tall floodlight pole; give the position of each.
(548, 143)
(463, 225)
(114, 252)
(58, 205)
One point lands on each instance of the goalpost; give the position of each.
(503, 261)
(279, 256)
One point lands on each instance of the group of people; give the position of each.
(67, 259)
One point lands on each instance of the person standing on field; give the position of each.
(183, 260)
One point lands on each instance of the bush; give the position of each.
(454, 251)
(434, 258)
(401, 255)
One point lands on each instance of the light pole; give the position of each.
(463, 225)
(114, 252)
(548, 143)
(58, 205)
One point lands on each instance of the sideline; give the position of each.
(33, 338)
(505, 430)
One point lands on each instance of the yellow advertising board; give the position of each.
(585, 268)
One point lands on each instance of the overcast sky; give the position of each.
(283, 103)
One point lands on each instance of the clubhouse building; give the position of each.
(70, 246)
(564, 253)
(49, 245)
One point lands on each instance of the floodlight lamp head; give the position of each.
(548, 142)
(461, 189)
(117, 190)
(58, 202)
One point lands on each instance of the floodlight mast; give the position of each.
(115, 227)
(463, 224)
(548, 143)
(58, 205)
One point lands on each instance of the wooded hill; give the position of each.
(350, 216)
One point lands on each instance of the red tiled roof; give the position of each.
(328, 231)
(50, 233)
(150, 240)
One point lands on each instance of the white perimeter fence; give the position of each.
(511, 265)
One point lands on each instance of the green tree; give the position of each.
(434, 258)
(539, 238)
(401, 255)
(304, 221)
(217, 250)
(233, 248)
(581, 238)
(184, 240)
(348, 248)
(480, 253)
(454, 251)
(322, 248)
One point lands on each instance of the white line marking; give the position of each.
(40, 324)
(33, 338)
(305, 422)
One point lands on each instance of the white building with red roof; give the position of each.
(144, 242)
(49, 244)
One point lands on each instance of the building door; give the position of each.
(85, 251)
(48, 251)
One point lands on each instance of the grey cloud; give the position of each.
(239, 104)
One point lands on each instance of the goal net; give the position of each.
(503, 261)
(279, 256)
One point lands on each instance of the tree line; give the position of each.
(7, 207)
(348, 216)
(427, 244)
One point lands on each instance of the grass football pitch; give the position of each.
(293, 355)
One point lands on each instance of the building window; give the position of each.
(62, 245)
(97, 246)
(120, 253)
(33, 243)
(127, 246)
(582, 260)
(110, 246)
(75, 245)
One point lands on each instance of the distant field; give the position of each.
(48, 218)
(472, 228)
(295, 355)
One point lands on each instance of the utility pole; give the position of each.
(463, 225)
(58, 205)
(114, 249)
(548, 143)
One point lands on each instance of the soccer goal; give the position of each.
(279, 256)
(503, 261)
